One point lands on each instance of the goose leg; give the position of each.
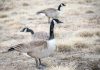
(40, 61)
(37, 62)
(39, 65)
(43, 65)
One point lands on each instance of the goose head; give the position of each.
(56, 21)
(62, 4)
(27, 30)
(53, 22)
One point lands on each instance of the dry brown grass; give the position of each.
(95, 65)
(85, 34)
(79, 32)
(25, 4)
(97, 33)
(80, 45)
(89, 11)
(14, 25)
(88, 33)
(3, 16)
(5, 5)
(88, 65)
(67, 45)
(89, 1)
(61, 68)
(96, 49)
(64, 48)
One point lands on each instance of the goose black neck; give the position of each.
(30, 30)
(27, 30)
(23, 30)
(59, 7)
(51, 31)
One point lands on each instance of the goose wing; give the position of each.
(50, 12)
(47, 10)
(38, 44)
(31, 46)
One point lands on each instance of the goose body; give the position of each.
(52, 12)
(39, 48)
(44, 50)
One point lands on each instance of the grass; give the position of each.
(88, 65)
(70, 35)
(64, 48)
(88, 33)
(85, 34)
(3, 16)
(67, 45)
(5, 5)
(97, 33)
(61, 68)
(25, 4)
(97, 49)
(80, 45)
(89, 11)
(94, 65)
(14, 25)
(89, 1)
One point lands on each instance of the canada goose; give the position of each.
(51, 12)
(26, 29)
(38, 48)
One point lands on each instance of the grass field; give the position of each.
(78, 37)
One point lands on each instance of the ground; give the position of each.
(78, 37)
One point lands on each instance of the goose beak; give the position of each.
(64, 5)
(59, 22)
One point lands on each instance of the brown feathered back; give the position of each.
(50, 12)
(30, 46)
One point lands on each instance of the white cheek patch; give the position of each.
(54, 22)
(25, 30)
